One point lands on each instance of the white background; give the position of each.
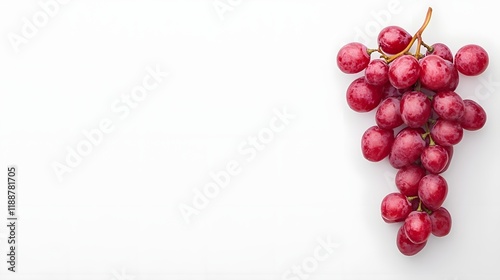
(116, 215)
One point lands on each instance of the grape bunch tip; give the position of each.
(415, 95)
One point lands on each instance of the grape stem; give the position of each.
(430, 49)
(422, 208)
(417, 86)
(417, 37)
(382, 54)
(428, 134)
(431, 141)
(426, 210)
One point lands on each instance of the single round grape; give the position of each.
(377, 72)
(404, 71)
(434, 159)
(353, 58)
(395, 208)
(434, 72)
(474, 117)
(446, 133)
(407, 179)
(442, 51)
(388, 114)
(471, 60)
(417, 227)
(405, 246)
(432, 191)
(362, 97)
(448, 105)
(376, 143)
(407, 147)
(415, 108)
(441, 222)
(393, 39)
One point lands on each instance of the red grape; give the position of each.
(415, 108)
(388, 114)
(441, 50)
(395, 208)
(363, 97)
(376, 143)
(471, 60)
(417, 227)
(404, 71)
(407, 179)
(434, 159)
(393, 39)
(446, 133)
(432, 191)
(441, 222)
(407, 147)
(353, 58)
(405, 246)
(434, 72)
(474, 117)
(376, 73)
(448, 105)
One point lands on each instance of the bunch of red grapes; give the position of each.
(414, 95)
